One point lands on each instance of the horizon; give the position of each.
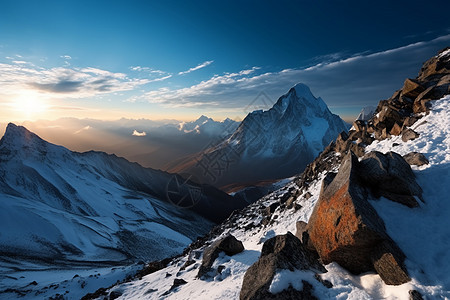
(113, 60)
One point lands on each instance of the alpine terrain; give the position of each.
(367, 219)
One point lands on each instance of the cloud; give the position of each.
(148, 70)
(68, 57)
(200, 66)
(352, 81)
(64, 82)
(82, 129)
(137, 133)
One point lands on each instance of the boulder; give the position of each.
(408, 134)
(389, 175)
(280, 252)
(412, 88)
(416, 158)
(396, 129)
(345, 228)
(229, 244)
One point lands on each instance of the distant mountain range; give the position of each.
(67, 207)
(271, 144)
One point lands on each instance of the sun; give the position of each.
(29, 105)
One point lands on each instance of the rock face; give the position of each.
(345, 228)
(229, 244)
(280, 252)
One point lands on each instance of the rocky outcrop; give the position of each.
(280, 252)
(394, 115)
(345, 228)
(229, 244)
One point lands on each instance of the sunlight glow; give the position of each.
(29, 105)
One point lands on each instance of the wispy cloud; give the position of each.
(82, 129)
(64, 81)
(198, 67)
(68, 57)
(353, 80)
(137, 133)
(148, 70)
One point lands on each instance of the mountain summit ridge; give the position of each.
(271, 144)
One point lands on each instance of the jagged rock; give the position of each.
(301, 229)
(416, 158)
(345, 228)
(396, 129)
(412, 88)
(361, 137)
(415, 295)
(434, 68)
(359, 125)
(389, 175)
(409, 121)
(229, 244)
(385, 134)
(388, 116)
(388, 260)
(344, 144)
(280, 252)
(290, 202)
(408, 134)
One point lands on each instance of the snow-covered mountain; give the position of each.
(271, 144)
(66, 207)
(206, 125)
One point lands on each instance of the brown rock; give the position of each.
(359, 125)
(416, 158)
(345, 228)
(396, 129)
(409, 121)
(434, 68)
(280, 252)
(411, 88)
(388, 262)
(408, 134)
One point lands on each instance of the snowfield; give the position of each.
(422, 233)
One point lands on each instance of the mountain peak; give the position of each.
(302, 89)
(17, 136)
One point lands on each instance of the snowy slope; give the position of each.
(422, 233)
(272, 144)
(69, 208)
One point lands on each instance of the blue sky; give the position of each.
(180, 59)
